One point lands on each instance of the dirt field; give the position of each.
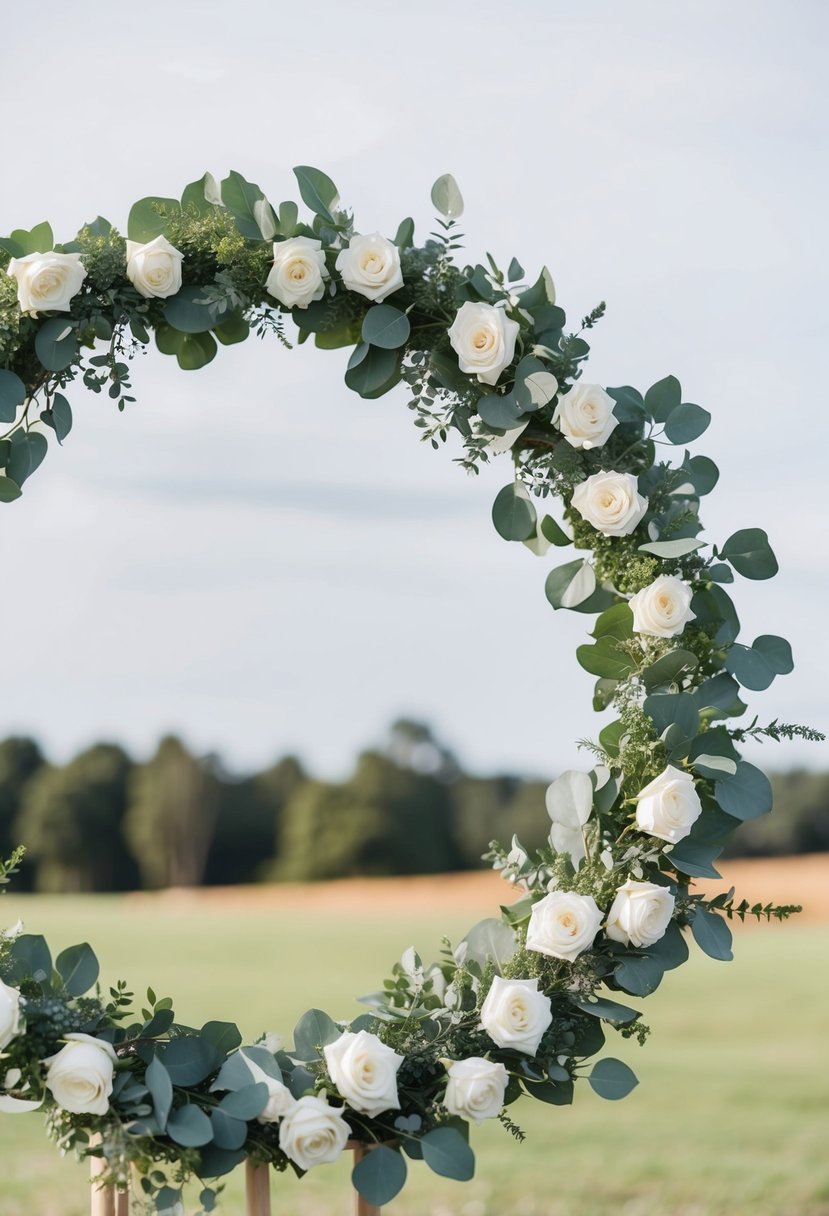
(788, 880)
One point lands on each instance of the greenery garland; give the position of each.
(520, 1006)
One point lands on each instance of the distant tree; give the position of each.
(171, 816)
(413, 745)
(384, 820)
(248, 814)
(20, 759)
(71, 821)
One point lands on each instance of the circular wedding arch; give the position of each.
(520, 1006)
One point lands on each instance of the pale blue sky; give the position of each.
(258, 559)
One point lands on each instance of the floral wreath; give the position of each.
(521, 1005)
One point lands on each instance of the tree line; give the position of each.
(104, 822)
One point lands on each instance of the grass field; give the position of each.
(731, 1116)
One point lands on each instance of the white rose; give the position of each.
(476, 1089)
(280, 1099)
(154, 269)
(46, 282)
(370, 265)
(640, 914)
(80, 1075)
(313, 1133)
(15, 1106)
(364, 1070)
(585, 416)
(669, 806)
(611, 502)
(662, 609)
(483, 337)
(298, 273)
(515, 1014)
(9, 1014)
(563, 924)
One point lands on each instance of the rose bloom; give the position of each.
(611, 502)
(515, 1014)
(47, 282)
(476, 1089)
(662, 609)
(154, 269)
(563, 924)
(298, 274)
(483, 337)
(80, 1075)
(313, 1133)
(15, 1106)
(370, 265)
(9, 1014)
(364, 1071)
(640, 914)
(669, 806)
(585, 416)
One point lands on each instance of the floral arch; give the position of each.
(520, 1007)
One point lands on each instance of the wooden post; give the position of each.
(257, 1189)
(361, 1206)
(106, 1200)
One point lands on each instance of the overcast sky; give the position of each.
(256, 558)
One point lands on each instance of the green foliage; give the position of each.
(513, 514)
(170, 815)
(671, 691)
(70, 819)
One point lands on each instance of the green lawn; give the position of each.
(730, 1116)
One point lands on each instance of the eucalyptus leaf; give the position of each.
(605, 659)
(554, 533)
(491, 940)
(712, 935)
(447, 198)
(160, 1085)
(499, 410)
(686, 422)
(317, 190)
(190, 1127)
(747, 794)
(447, 1153)
(663, 398)
(385, 326)
(12, 395)
(150, 217)
(672, 548)
(380, 1175)
(630, 405)
(612, 1079)
(750, 553)
(78, 968)
(313, 1030)
(671, 669)
(28, 450)
(570, 585)
(513, 514)
(56, 344)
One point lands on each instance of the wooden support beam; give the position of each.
(257, 1189)
(106, 1200)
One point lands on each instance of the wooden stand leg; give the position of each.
(257, 1189)
(361, 1206)
(106, 1200)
